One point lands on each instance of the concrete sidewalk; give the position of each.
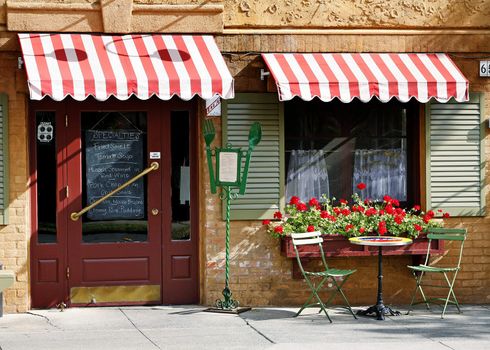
(187, 327)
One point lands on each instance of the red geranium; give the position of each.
(417, 227)
(278, 229)
(313, 202)
(266, 222)
(446, 215)
(416, 207)
(324, 214)
(310, 228)
(361, 186)
(349, 227)
(278, 215)
(301, 206)
(382, 228)
(294, 200)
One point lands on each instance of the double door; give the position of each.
(114, 210)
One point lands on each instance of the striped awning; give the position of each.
(347, 75)
(82, 65)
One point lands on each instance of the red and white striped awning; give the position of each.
(82, 65)
(348, 75)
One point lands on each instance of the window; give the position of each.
(331, 147)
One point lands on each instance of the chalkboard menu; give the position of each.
(113, 157)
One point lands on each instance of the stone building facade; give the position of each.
(243, 30)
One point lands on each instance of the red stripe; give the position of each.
(216, 78)
(126, 64)
(431, 80)
(411, 80)
(189, 64)
(145, 59)
(42, 65)
(371, 78)
(110, 76)
(308, 72)
(450, 81)
(353, 82)
(174, 81)
(333, 85)
(62, 60)
(392, 81)
(87, 73)
(290, 76)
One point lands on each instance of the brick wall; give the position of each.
(14, 236)
(259, 275)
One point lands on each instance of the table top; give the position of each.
(380, 241)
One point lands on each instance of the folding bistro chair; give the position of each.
(328, 274)
(447, 234)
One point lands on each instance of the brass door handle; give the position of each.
(155, 211)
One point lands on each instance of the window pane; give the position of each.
(114, 149)
(46, 176)
(181, 191)
(331, 147)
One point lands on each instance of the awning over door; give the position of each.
(82, 65)
(347, 75)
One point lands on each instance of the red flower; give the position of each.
(301, 206)
(332, 218)
(345, 212)
(324, 214)
(336, 210)
(277, 215)
(313, 202)
(417, 227)
(439, 210)
(382, 228)
(431, 214)
(446, 215)
(266, 222)
(381, 212)
(389, 209)
(387, 198)
(361, 186)
(399, 219)
(294, 200)
(416, 207)
(349, 227)
(395, 202)
(427, 218)
(310, 228)
(343, 201)
(278, 229)
(362, 229)
(371, 211)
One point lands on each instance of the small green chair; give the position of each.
(328, 274)
(446, 234)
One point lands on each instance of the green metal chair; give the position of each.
(419, 271)
(328, 274)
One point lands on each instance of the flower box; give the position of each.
(339, 246)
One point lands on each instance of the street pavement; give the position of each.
(188, 327)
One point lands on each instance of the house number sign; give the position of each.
(484, 68)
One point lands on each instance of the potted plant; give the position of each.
(340, 220)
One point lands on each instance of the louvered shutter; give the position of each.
(4, 199)
(265, 180)
(455, 159)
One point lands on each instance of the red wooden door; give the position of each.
(140, 246)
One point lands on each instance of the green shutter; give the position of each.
(265, 180)
(455, 157)
(4, 191)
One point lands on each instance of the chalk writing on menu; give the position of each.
(113, 157)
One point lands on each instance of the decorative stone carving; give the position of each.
(358, 13)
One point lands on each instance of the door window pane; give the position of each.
(46, 176)
(181, 176)
(114, 149)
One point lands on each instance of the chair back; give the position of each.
(307, 238)
(447, 234)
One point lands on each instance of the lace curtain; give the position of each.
(383, 171)
(307, 175)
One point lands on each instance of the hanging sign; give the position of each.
(213, 106)
(45, 132)
(227, 167)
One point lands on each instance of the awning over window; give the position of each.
(346, 76)
(81, 65)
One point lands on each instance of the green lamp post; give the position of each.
(233, 181)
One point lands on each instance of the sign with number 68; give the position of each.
(484, 68)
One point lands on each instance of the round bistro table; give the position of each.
(379, 309)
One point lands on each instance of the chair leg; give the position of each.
(418, 286)
(451, 292)
(314, 293)
(339, 290)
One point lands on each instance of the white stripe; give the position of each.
(441, 81)
(184, 79)
(95, 67)
(461, 83)
(343, 82)
(226, 78)
(323, 82)
(423, 91)
(32, 70)
(402, 81)
(196, 58)
(364, 94)
(119, 74)
(383, 83)
(74, 65)
(54, 70)
(156, 60)
(301, 79)
(281, 80)
(142, 91)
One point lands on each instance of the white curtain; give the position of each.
(307, 175)
(384, 171)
